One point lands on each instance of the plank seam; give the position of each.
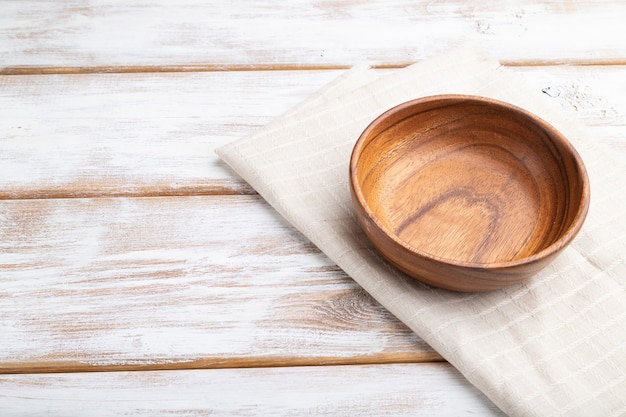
(136, 69)
(206, 364)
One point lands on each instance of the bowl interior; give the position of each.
(469, 180)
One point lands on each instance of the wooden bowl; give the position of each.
(467, 193)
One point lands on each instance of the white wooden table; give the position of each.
(139, 275)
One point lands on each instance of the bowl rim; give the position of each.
(554, 134)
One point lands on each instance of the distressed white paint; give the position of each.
(134, 133)
(381, 390)
(149, 282)
(110, 282)
(307, 32)
(146, 134)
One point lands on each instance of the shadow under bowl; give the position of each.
(467, 193)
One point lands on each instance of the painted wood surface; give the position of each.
(178, 282)
(307, 33)
(381, 390)
(155, 134)
(126, 244)
(135, 134)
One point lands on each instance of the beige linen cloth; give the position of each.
(555, 345)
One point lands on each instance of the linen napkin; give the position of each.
(554, 345)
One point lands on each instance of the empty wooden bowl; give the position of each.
(467, 193)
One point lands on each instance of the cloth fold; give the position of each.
(554, 345)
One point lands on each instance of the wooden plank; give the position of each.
(383, 390)
(180, 282)
(141, 36)
(135, 134)
(155, 134)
